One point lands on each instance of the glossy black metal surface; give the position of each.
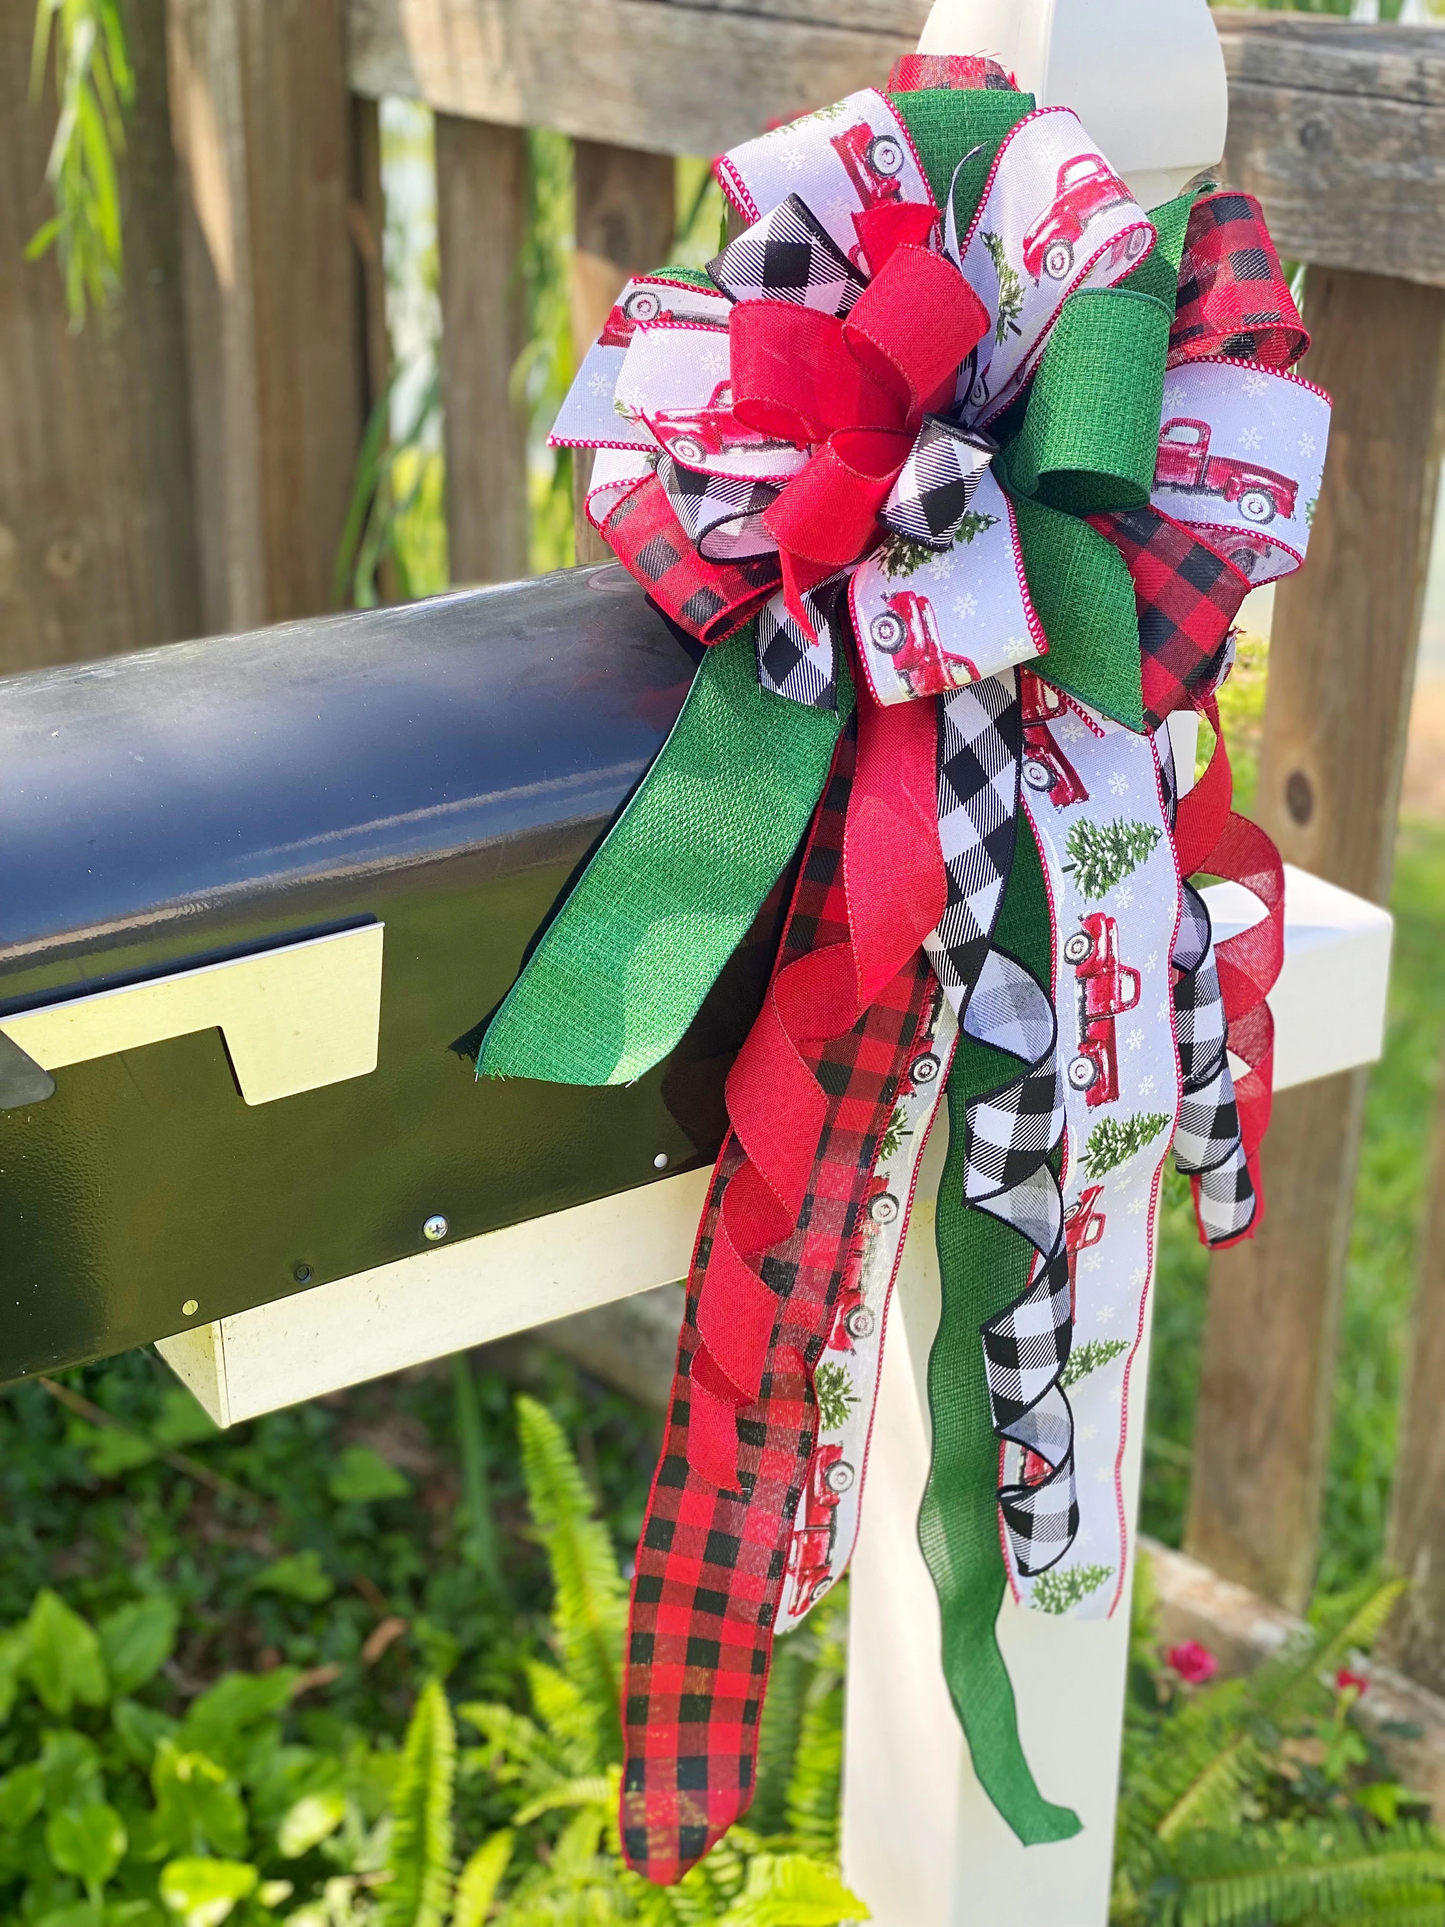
(444, 767)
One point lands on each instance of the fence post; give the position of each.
(97, 540)
(626, 220)
(1341, 669)
(274, 307)
(482, 214)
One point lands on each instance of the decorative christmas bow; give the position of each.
(951, 405)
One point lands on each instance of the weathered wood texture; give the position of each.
(626, 219)
(264, 142)
(679, 79)
(1342, 661)
(97, 541)
(482, 213)
(1415, 1638)
(1340, 130)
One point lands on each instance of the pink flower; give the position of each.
(1348, 1682)
(1194, 1664)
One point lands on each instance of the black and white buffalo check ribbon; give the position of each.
(1207, 1144)
(1016, 1131)
(801, 667)
(788, 256)
(721, 514)
(931, 496)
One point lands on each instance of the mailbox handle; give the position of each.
(293, 1018)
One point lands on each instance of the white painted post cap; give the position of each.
(1146, 77)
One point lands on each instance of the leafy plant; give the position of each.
(835, 1395)
(900, 555)
(95, 85)
(1113, 1141)
(1088, 1357)
(1103, 854)
(1256, 1801)
(1010, 289)
(559, 1767)
(1062, 1587)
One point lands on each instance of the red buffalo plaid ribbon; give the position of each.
(710, 1564)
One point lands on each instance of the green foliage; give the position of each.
(1088, 1357)
(420, 1860)
(834, 1392)
(1061, 1588)
(1010, 289)
(1113, 1141)
(1103, 854)
(94, 86)
(900, 555)
(1259, 1800)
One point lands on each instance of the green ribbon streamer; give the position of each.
(983, 1265)
(630, 956)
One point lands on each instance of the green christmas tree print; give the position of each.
(1088, 1357)
(1113, 1142)
(1103, 854)
(899, 555)
(891, 1141)
(835, 1396)
(1057, 1590)
(1010, 289)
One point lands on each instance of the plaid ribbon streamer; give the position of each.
(719, 514)
(1233, 297)
(711, 1563)
(788, 256)
(708, 601)
(1208, 1147)
(980, 748)
(1187, 596)
(801, 667)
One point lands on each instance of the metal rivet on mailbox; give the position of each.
(191, 1307)
(302, 1274)
(659, 1163)
(435, 1229)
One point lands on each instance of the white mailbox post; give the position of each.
(921, 1843)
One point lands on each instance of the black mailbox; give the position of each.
(207, 850)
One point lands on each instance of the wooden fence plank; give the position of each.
(626, 217)
(637, 73)
(274, 305)
(1341, 670)
(1415, 1638)
(482, 214)
(97, 540)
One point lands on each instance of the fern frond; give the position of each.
(1321, 1872)
(593, 1790)
(815, 1786)
(480, 1878)
(790, 1890)
(794, 1663)
(590, 1597)
(517, 1748)
(420, 1856)
(567, 1714)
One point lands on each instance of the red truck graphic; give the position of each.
(643, 304)
(690, 435)
(810, 1552)
(1047, 771)
(1184, 462)
(1107, 989)
(872, 163)
(1086, 189)
(907, 631)
(853, 1318)
(1083, 1227)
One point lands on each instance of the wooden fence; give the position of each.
(136, 505)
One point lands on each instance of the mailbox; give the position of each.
(257, 897)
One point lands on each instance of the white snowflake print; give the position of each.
(965, 607)
(1088, 1433)
(942, 567)
(1174, 395)
(1152, 960)
(1137, 1207)
(1019, 649)
(1250, 438)
(1072, 730)
(1307, 446)
(1094, 1261)
(1116, 1396)
(1139, 1277)
(792, 156)
(1256, 384)
(600, 384)
(1146, 1087)
(1101, 1477)
(1124, 895)
(1134, 1039)
(712, 363)
(1118, 783)
(1105, 1315)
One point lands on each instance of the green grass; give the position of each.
(1381, 1277)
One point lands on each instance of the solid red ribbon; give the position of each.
(896, 891)
(855, 390)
